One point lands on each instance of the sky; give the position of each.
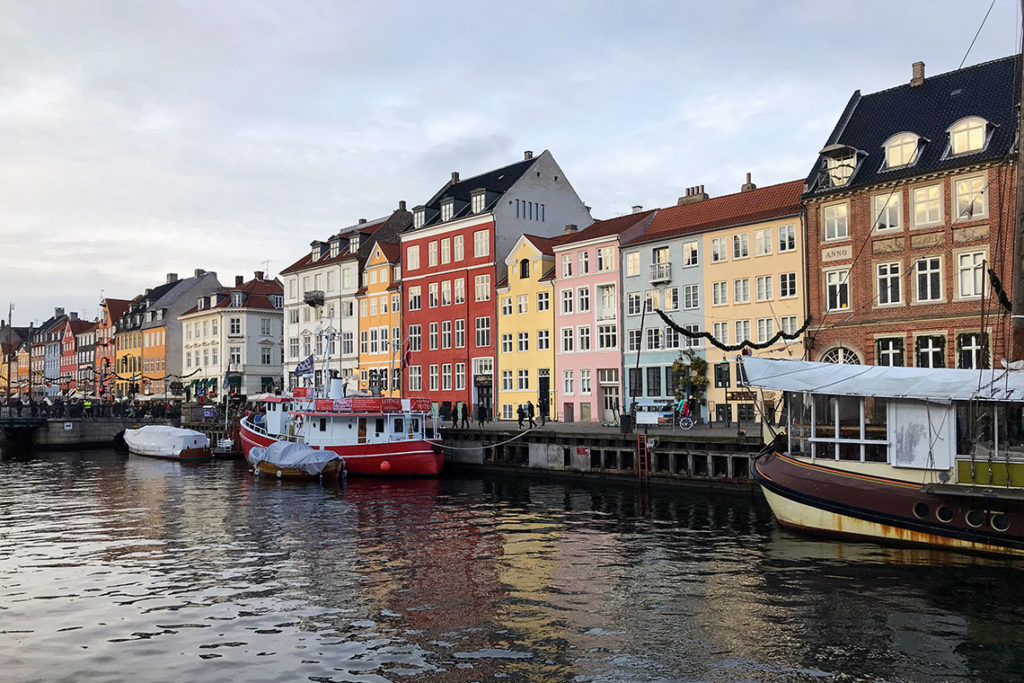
(143, 138)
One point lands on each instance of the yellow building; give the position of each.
(526, 322)
(380, 321)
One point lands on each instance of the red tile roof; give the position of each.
(610, 226)
(257, 293)
(116, 308)
(392, 251)
(546, 245)
(762, 204)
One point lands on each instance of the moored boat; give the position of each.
(289, 460)
(171, 443)
(373, 436)
(907, 455)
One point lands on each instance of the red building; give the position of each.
(69, 353)
(453, 257)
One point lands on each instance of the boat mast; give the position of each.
(328, 333)
(1017, 314)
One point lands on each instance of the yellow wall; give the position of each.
(128, 359)
(154, 360)
(775, 308)
(377, 289)
(529, 322)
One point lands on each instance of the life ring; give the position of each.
(298, 422)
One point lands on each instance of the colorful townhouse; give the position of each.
(587, 316)
(526, 354)
(321, 289)
(910, 207)
(380, 321)
(22, 363)
(730, 266)
(53, 343)
(73, 326)
(458, 243)
(111, 311)
(85, 352)
(37, 352)
(11, 339)
(233, 339)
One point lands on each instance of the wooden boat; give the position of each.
(171, 443)
(904, 455)
(289, 460)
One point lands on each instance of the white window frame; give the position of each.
(932, 269)
(971, 195)
(839, 278)
(885, 209)
(836, 227)
(918, 195)
(975, 270)
(885, 273)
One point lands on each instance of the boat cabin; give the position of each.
(356, 420)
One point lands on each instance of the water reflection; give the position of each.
(116, 567)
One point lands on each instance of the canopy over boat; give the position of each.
(290, 455)
(883, 381)
(164, 441)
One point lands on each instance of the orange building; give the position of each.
(380, 321)
(106, 356)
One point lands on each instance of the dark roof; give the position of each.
(610, 226)
(496, 182)
(257, 295)
(989, 90)
(741, 208)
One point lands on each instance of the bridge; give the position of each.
(25, 433)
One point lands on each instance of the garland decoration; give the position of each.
(1000, 292)
(734, 347)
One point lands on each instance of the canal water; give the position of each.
(115, 568)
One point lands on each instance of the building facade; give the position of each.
(111, 311)
(379, 304)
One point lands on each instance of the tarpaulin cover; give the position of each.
(163, 440)
(299, 456)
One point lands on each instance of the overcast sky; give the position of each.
(141, 138)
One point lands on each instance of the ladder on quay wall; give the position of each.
(641, 455)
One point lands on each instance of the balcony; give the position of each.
(314, 297)
(604, 314)
(661, 272)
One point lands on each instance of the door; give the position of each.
(543, 392)
(585, 412)
(567, 413)
(610, 403)
(362, 430)
(483, 393)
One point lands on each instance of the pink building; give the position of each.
(588, 348)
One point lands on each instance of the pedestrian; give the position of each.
(521, 414)
(455, 415)
(19, 406)
(694, 409)
(481, 413)
(465, 416)
(530, 413)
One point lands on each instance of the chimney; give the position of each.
(401, 205)
(527, 155)
(172, 277)
(259, 275)
(239, 280)
(918, 77)
(58, 312)
(748, 186)
(73, 315)
(455, 177)
(693, 194)
(149, 290)
(637, 208)
(361, 221)
(200, 272)
(570, 229)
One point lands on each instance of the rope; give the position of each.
(491, 445)
(746, 343)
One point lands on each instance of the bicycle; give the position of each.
(686, 422)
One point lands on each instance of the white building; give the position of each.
(236, 332)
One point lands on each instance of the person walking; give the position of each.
(520, 413)
(455, 416)
(465, 416)
(694, 409)
(530, 413)
(542, 406)
(481, 412)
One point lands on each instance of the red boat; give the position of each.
(374, 436)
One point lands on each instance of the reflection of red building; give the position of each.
(452, 260)
(69, 352)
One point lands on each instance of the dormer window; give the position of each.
(353, 243)
(901, 150)
(968, 135)
(840, 163)
(447, 208)
(524, 269)
(479, 200)
(277, 300)
(419, 216)
(335, 247)
(236, 299)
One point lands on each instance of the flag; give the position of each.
(407, 358)
(305, 367)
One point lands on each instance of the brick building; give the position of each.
(910, 208)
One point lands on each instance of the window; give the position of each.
(523, 303)
(927, 205)
(671, 338)
(787, 238)
(506, 343)
(446, 377)
(584, 338)
(651, 300)
(718, 253)
(653, 338)
(968, 135)
(457, 248)
(691, 256)
(633, 263)
(691, 297)
(567, 339)
(567, 383)
(412, 257)
(481, 245)
(483, 331)
(446, 293)
(566, 265)
(836, 221)
(931, 352)
(840, 168)
(523, 380)
(584, 381)
(506, 380)
(374, 348)
(432, 295)
(633, 303)
(837, 289)
(900, 150)
(234, 355)
(364, 346)
(671, 299)
(446, 334)
(506, 305)
(460, 376)
(740, 246)
(414, 298)
(607, 337)
(764, 288)
(720, 331)
(293, 347)
(362, 308)
(971, 197)
(654, 381)
(523, 341)
(929, 279)
(347, 343)
(972, 351)
(765, 329)
(888, 211)
(482, 288)
(460, 333)
(478, 202)
(722, 375)
(888, 284)
(605, 259)
(742, 331)
(719, 293)
(543, 340)
(567, 301)
(787, 285)
(762, 242)
(889, 351)
(787, 324)
(432, 336)
(524, 269)
(415, 378)
(433, 377)
(970, 274)
(543, 301)
(583, 299)
(415, 337)
(460, 291)
(741, 291)
(633, 340)
(584, 262)
(446, 256)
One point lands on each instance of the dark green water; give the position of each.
(120, 568)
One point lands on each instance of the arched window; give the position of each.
(901, 150)
(524, 269)
(841, 355)
(967, 135)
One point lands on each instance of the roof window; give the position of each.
(901, 150)
(447, 208)
(419, 215)
(840, 163)
(969, 134)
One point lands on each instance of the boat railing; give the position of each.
(259, 429)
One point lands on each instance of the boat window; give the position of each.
(323, 424)
(414, 426)
(399, 425)
(799, 423)
(876, 420)
(380, 425)
(362, 430)
(1010, 422)
(849, 428)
